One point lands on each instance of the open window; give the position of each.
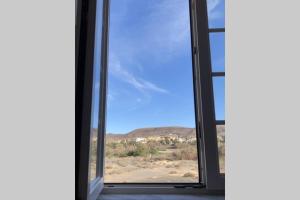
(160, 79)
(151, 124)
(90, 97)
(217, 52)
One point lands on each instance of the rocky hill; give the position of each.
(161, 131)
(157, 131)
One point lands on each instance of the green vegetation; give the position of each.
(188, 152)
(155, 150)
(130, 149)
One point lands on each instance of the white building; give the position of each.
(140, 139)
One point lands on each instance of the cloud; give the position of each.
(213, 13)
(116, 69)
(168, 27)
(161, 33)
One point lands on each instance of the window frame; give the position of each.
(208, 160)
(84, 80)
(209, 176)
(201, 182)
(205, 96)
(216, 74)
(211, 180)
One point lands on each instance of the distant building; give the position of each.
(140, 139)
(181, 140)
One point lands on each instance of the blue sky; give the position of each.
(150, 65)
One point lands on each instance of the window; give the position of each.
(151, 135)
(216, 19)
(219, 95)
(95, 98)
(216, 13)
(217, 49)
(91, 53)
(161, 118)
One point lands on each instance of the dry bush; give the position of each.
(130, 149)
(221, 145)
(151, 150)
(187, 153)
(221, 152)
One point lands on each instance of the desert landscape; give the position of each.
(155, 155)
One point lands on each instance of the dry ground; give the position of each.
(139, 169)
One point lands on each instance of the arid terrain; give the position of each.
(138, 170)
(155, 155)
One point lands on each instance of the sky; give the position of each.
(150, 65)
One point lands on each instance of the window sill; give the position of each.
(158, 189)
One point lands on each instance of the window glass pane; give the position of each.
(221, 147)
(219, 97)
(151, 135)
(217, 49)
(96, 92)
(216, 13)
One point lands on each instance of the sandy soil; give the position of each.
(139, 169)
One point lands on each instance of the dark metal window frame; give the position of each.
(200, 183)
(84, 51)
(205, 95)
(208, 165)
(218, 74)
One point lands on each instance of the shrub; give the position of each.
(142, 150)
(187, 153)
(180, 151)
(130, 149)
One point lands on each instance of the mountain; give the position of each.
(160, 131)
(157, 131)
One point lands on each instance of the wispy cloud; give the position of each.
(117, 70)
(161, 33)
(167, 28)
(213, 13)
